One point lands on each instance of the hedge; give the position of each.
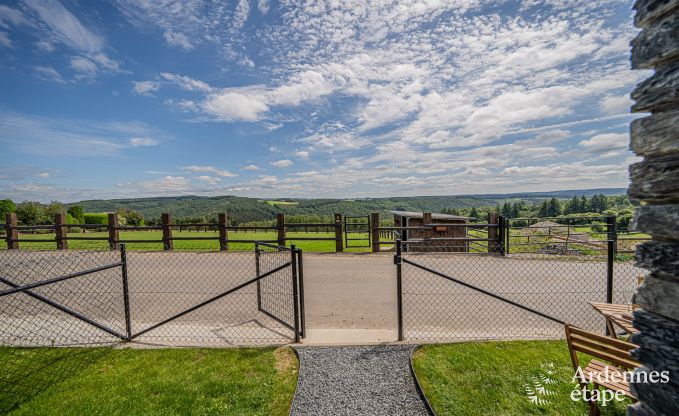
(96, 218)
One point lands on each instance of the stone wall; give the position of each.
(655, 181)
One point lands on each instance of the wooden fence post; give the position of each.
(339, 246)
(11, 231)
(375, 231)
(280, 226)
(493, 218)
(61, 231)
(166, 220)
(223, 233)
(426, 220)
(113, 232)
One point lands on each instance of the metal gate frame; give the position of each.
(347, 231)
(399, 261)
(295, 264)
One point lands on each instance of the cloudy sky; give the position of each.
(349, 98)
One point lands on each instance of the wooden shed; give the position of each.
(418, 219)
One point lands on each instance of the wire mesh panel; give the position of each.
(64, 313)
(275, 291)
(441, 300)
(198, 298)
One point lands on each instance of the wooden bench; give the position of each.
(615, 356)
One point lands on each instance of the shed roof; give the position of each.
(434, 216)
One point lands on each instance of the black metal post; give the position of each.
(257, 272)
(300, 279)
(501, 234)
(612, 237)
(399, 294)
(507, 234)
(295, 294)
(126, 292)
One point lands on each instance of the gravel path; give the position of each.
(356, 380)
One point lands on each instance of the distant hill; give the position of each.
(243, 209)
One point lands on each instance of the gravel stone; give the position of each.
(356, 380)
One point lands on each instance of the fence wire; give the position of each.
(559, 285)
(30, 327)
(61, 310)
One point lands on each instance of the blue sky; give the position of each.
(350, 98)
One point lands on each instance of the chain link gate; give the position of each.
(187, 298)
(487, 293)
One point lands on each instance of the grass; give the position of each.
(244, 381)
(491, 378)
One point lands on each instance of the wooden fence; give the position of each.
(61, 229)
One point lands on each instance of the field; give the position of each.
(155, 381)
(493, 378)
(199, 245)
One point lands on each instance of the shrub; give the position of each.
(96, 218)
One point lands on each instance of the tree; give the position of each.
(31, 213)
(6, 207)
(474, 213)
(127, 216)
(78, 214)
(553, 208)
(506, 210)
(543, 211)
(572, 206)
(52, 209)
(584, 205)
(516, 209)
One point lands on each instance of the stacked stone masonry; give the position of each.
(655, 181)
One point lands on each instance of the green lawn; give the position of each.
(491, 378)
(306, 245)
(244, 381)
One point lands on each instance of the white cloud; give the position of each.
(63, 136)
(143, 142)
(164, 185)
(58, 25)
(613, 104)
(43, 175)
(185, 82)
(83, 68)
(250, 167)
(309, 85)
(606, 142)
(145, 87)
(241, 14)
(5, 40)
(302, 154)
(47, 73)
(235, 104)
(209, 169)
(177, 39)
(263, 6)
(283, 163)
(11, 17)
(210, 180)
